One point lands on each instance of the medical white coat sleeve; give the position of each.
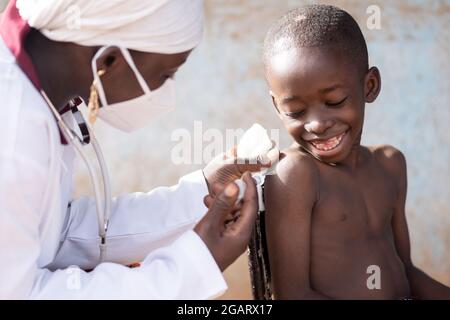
(184, 269)
(140, 223)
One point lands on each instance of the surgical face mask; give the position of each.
(133, 114)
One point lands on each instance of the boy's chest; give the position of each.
(358, 203)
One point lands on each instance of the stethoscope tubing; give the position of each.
(103, 212)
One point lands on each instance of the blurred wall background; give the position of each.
(3, 4)
(223, 86)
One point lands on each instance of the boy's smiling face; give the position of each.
(320, 96)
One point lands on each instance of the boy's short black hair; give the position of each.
(317, 25)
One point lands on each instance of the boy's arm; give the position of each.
(289, 197)
(422, 286)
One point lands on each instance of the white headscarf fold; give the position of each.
(161, 26)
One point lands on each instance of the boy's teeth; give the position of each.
(329, 144)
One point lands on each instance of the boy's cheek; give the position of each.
(294, 128)
(354, 114)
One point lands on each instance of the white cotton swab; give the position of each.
(242, 187)
(254, 144)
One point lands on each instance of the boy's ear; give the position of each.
(372, 84)
(274, 102)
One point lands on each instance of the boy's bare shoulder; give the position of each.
(294, 187)
(390, 158)
(295, 168)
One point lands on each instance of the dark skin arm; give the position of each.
(290, 197)
(422, 286)
(226, 227)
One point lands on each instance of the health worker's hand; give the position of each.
(226, 228)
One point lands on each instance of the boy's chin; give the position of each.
(327, 160)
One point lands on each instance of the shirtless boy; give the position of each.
(335, 208)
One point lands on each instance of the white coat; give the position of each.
(40, 238)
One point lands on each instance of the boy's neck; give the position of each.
(354, 158)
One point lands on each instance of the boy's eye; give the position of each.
(335, 104)
(295, 114)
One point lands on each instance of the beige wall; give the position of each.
(3, 4)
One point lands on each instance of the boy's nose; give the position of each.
(318, 127)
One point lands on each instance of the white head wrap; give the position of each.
(160, 26)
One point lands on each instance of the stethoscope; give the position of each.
(103, 212)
